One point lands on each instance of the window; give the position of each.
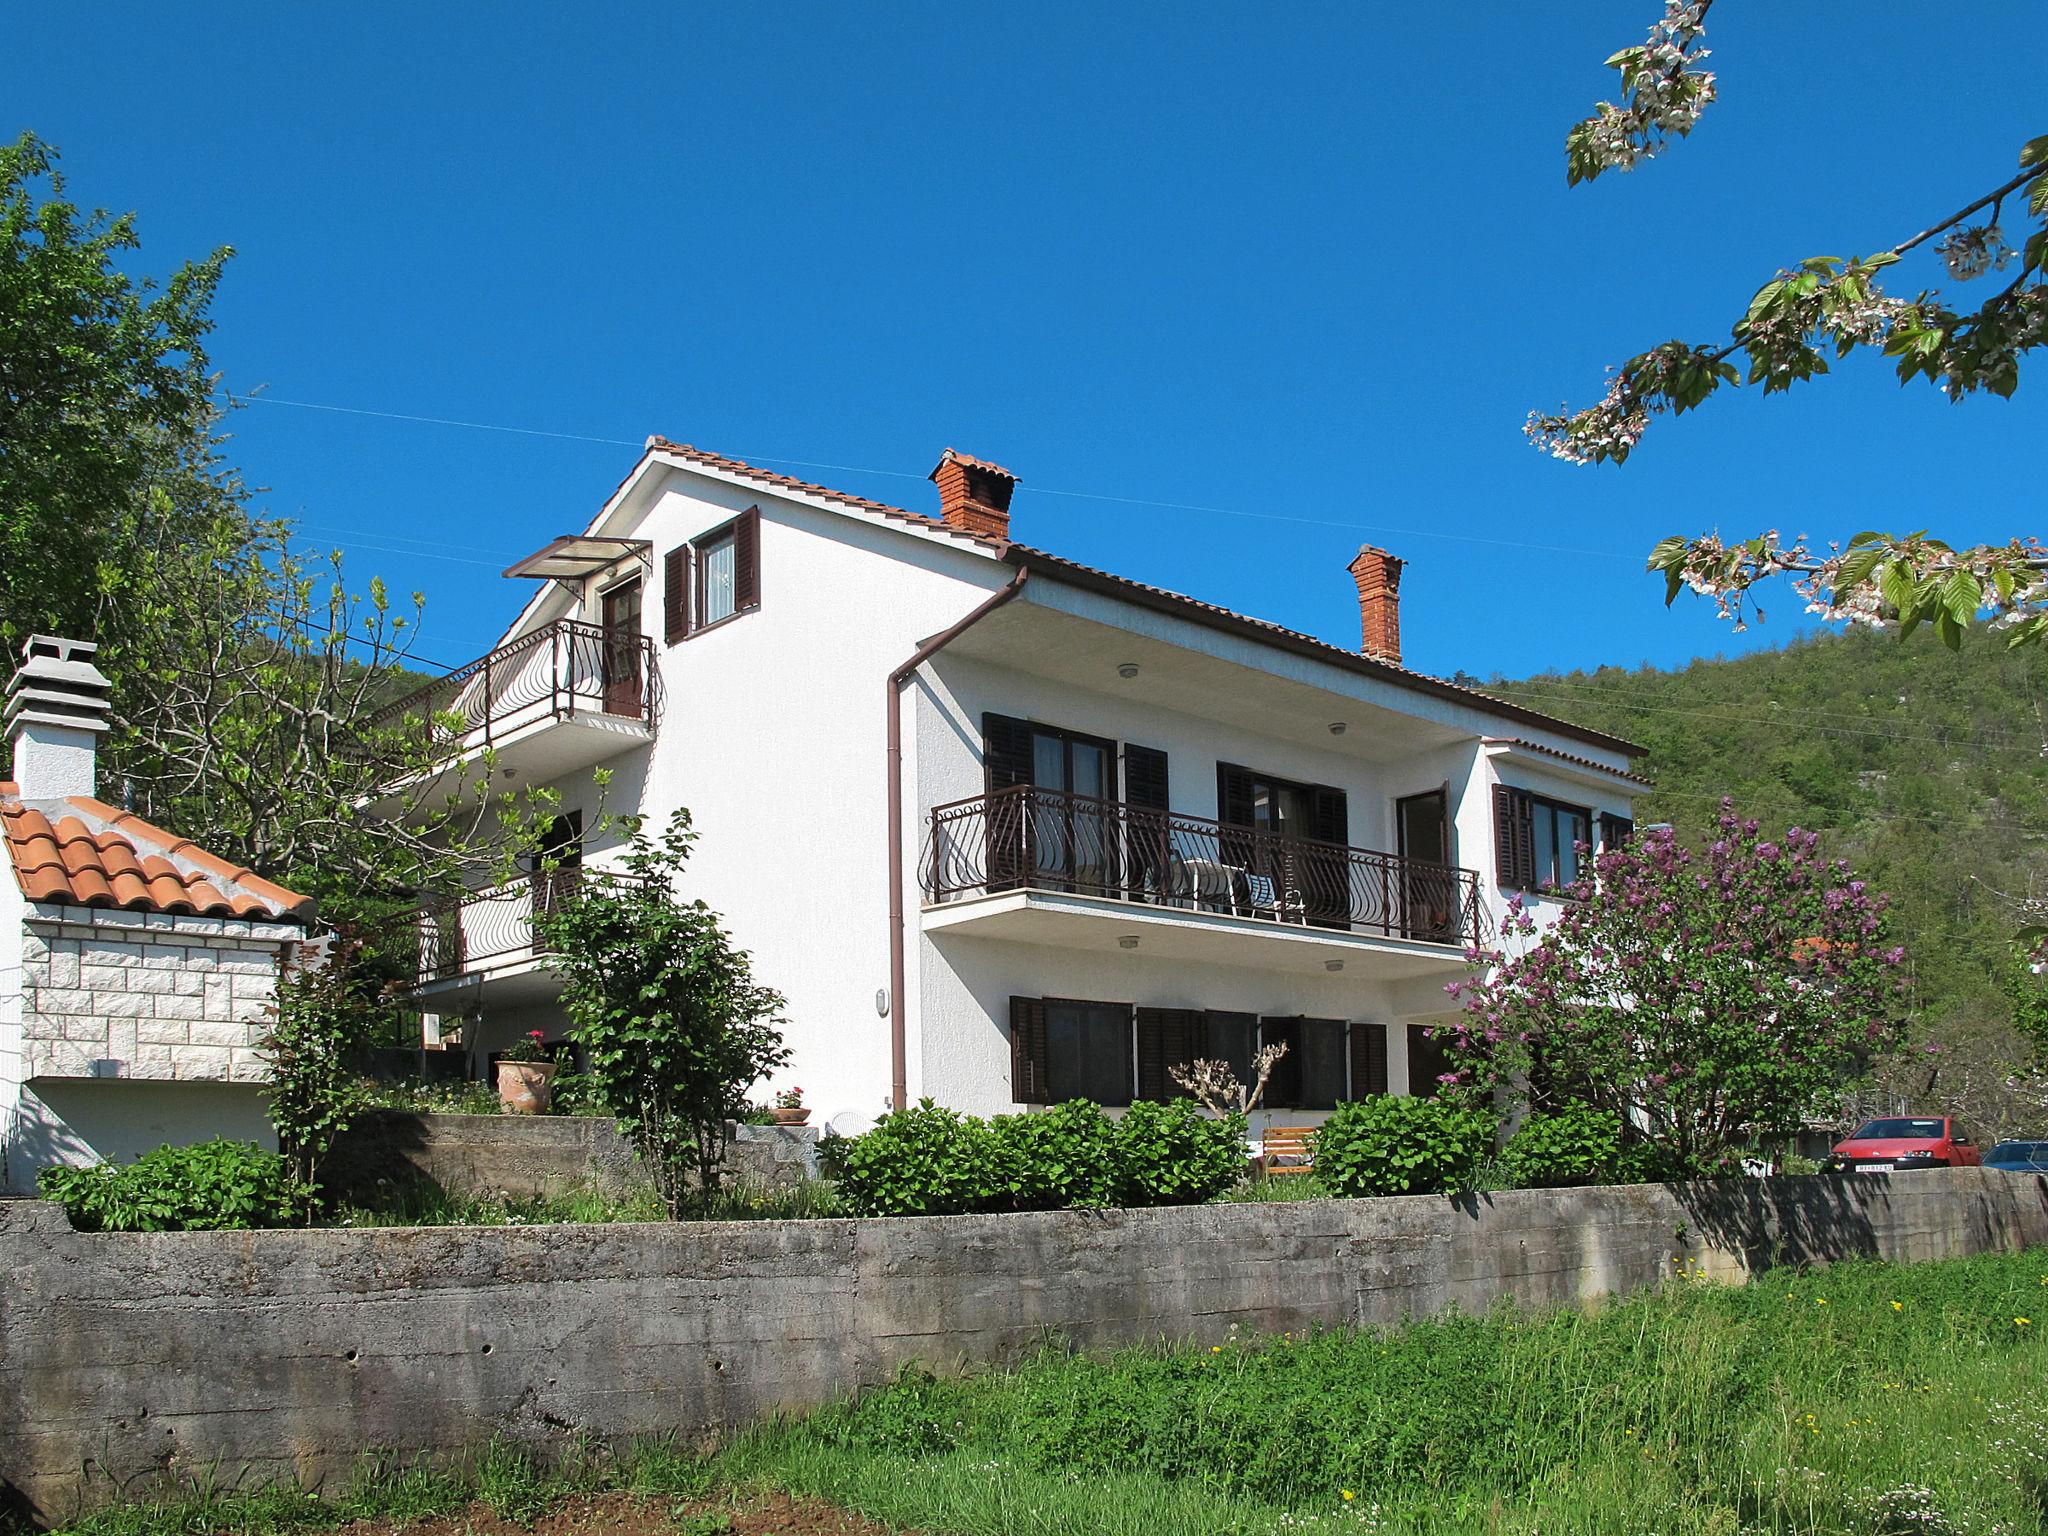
(1087, 1051)
(1536, 839)
(713, 578)
(1428, 1060)
(1312, 1075)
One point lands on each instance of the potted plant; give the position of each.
(526, 1075)
(790, 1108)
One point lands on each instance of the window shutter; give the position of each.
(1167, 1038)
(1368, 1059)
(1027, 1050)
(746, 561)
(1615, 831)
(1283, 1088)
(1227, 1037)
(675, 593)
(1514, 838)
(1329, 814)
(1233, 795)
(1427, 1061)
(1145, 777)
(1005, 751)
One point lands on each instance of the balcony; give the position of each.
(487, 938)
(1045, 866)
(564, 697)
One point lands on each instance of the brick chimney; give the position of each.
(1378, 575)
(56, 713)
(974, 495)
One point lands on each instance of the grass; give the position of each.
(1871, 1400)
(420, 1203)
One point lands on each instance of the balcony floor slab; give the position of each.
(1066, 921)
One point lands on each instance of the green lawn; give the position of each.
(1871, 1400)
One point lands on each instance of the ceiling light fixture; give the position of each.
(1333, 965)
(1127, 670)
(1128, 941)
(1338, 727)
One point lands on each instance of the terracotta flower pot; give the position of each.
(527, 1087)
(792, 1116)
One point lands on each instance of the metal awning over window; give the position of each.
(577, 555)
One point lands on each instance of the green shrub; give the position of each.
(1055, 1161)
(1578, 1144)
(925, 1161)
(208, 1187)
(1173, 1154)
(1388, 1145)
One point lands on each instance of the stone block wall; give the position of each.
(249, 1357)
(146, 994)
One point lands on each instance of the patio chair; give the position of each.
(1289, 1149)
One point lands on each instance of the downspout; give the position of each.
(899, 1046)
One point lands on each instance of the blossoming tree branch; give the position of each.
(1826, 304)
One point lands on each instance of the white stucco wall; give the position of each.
(75, 1122)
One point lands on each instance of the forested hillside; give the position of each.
(1922, 766)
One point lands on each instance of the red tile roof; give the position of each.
(1194, 608)
(81, 852)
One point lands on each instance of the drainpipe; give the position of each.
(899, 1047)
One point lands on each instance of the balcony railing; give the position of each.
(493, 928)
(562, 669)
(1039, 839)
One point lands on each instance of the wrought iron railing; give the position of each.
(1042, 839)
(562, 669)
(490, 928)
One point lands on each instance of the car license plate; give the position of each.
(1873, 1167)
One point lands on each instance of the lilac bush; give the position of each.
(1710, 997)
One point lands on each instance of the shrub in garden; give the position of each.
(1173, 1154)
(1577, 1144)
(1063, 1158)
(1387, 1145)
(925, 1161)
(208, 1187)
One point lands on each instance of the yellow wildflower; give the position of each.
(1897, 1308)
(1349, 1494)
(2022, 1322)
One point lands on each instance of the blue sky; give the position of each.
(1310, 263)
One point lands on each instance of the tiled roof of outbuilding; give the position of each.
(82, 852)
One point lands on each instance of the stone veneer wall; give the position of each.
(254, 1356)
(111, 993)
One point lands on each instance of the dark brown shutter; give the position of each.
(1427, 1061)
(1027, 1050)
(1145, 777)
(1368, 1059)
(746, 561)
(1228, 1038)
(1167, 1038)
(1329, 814)
(1514, 838)
(1233, 795)
(1005, 752)
(675, 593)
(1283, 1088)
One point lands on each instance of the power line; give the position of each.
(898, 474)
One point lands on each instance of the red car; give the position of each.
(1879, 1146)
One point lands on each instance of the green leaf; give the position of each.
(1869, 536)
(2034, 152)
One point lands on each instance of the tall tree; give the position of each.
(1827, 305)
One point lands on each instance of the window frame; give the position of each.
(1524, 803)
(696, 550)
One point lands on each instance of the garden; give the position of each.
(1865, 1400)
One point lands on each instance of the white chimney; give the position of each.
(57, 713)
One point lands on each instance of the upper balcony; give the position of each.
(565, 696)
(489, 940)
(1045, 866)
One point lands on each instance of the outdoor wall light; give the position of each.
(1128, 941)
(1127, 670)
(1338, 727)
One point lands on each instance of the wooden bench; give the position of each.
(1289, 1149)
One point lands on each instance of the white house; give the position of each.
(1004, 828)
(135, 968)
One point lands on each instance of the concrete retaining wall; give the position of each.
(537, 1156)
(288, 1354)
